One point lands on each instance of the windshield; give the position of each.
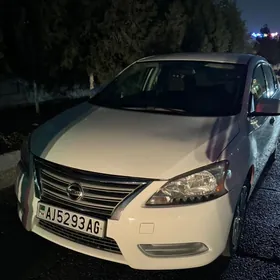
(193, 88)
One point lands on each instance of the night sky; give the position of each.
(259, 12)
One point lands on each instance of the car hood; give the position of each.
(131, 143)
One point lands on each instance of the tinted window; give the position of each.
(195, 88)
(275, 80)
(269, 81)
(258, 86)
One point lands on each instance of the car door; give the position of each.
(273, 92)
(260, 128)
(276, 96)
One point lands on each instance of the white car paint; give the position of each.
(132, 139)
(159, 147)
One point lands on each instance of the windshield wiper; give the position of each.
(156, 109)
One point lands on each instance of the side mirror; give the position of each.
(267, 107)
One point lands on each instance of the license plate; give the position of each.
(71, 219)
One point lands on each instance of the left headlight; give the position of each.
(25, 152)
(200, 185)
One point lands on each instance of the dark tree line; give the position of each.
(268, 47)
(77, 41)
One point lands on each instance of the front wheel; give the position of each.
(238, 221)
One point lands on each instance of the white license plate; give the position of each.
(71, 219)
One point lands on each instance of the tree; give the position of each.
(61, 41)
(206, 30)
(12, 19)
(127, 32)
(169, 30)
(22, 29)
(60, 36)
(235, 26)
(2, 58)
(73, 37)
(34, 46)
(4, 66)
(14, 26)
(91, 18)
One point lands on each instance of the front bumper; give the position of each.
(208, 223)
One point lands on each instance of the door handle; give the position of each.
(272, 120)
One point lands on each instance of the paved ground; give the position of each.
(26, 256)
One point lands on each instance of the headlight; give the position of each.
(193, 187)
(25, 152)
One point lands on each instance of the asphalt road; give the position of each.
(27, 256)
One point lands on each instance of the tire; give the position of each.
(237, 222)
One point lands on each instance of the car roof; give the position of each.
(234, 58)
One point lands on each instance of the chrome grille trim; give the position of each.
(102, 193)
(104, 244)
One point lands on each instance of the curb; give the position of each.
(8, 163)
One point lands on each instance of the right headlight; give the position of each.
(197, 186)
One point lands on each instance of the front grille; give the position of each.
(101, 193)
(104, 244)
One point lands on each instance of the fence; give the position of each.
(18, 92)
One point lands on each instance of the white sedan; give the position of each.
(156, 169)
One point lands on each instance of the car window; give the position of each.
(275, 80)
(196, 88)
(134, 82)
(258, 86)
(269, 80)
